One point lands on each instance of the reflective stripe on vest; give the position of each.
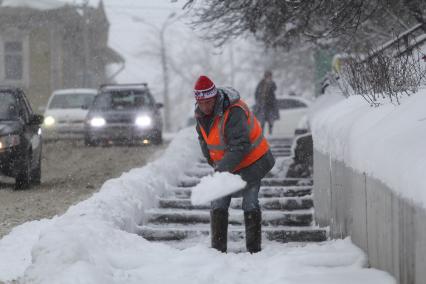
(216, 139)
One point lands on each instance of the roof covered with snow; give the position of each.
(44, 4)
(39, 4)
(75, 91)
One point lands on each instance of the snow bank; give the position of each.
(95, 242)
(216, 186)
(385, 142)
(60, 245)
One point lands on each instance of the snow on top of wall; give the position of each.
(385, 142)
(38, 5)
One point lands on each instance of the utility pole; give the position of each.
(165, 79)
(164, 64)
(86, 46)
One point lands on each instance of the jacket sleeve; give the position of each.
(203, 146)
(237, 140)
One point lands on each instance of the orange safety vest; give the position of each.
(216, 139)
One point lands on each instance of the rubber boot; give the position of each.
(253, 222)
(219, 229)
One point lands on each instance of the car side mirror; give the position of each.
(13, 111)
(159, 105)
(85, 107)
(36, 119)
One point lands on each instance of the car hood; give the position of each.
(10, 127)
(67, 114)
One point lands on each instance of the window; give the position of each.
(8, 106)
(290, 103)
(13, 60)
(24, 111)
(64, 101)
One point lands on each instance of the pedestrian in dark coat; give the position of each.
(222, 116)
(266, 108)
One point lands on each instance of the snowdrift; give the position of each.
(385, 142)
(109, 215)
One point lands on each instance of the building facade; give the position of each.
(44, 48)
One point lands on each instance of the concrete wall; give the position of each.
(391, 230)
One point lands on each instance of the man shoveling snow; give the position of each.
(231, 140)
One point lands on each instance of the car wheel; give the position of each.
(88, 141)
(36, 173)
(157, 137)
(23, 178)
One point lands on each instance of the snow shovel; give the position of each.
(218, 185)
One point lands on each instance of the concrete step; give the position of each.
(193, 181)
(280, 140)
(235, 233)
(265, 191)
(288, 150)
(236, 217)
(281, 153)
(280, 146)
(285, 191)
(286, 181)
(274, 203)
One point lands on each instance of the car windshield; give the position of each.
(122, 99)
(8, 106)
(63, 101)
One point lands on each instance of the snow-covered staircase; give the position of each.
(287, 209)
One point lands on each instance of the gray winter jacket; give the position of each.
(236, 138)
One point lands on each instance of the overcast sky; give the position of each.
(132, 33)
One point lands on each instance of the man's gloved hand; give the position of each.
(210, 162)
(217, 168)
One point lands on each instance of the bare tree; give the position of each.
(342, 23)
(383, 75)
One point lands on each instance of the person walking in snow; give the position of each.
(266, 108)
(231, 140)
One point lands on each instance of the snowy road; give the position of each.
(71, 173)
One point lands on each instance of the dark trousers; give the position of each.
(250, 196)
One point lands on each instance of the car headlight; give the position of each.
(143, 121)
(9, 141)
(97, 122)
(49, 121)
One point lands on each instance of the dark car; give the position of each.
(124, 113)
(20, 138)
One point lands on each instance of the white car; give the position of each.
(292, 110)
(66, 112)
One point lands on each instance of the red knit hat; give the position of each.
(204, 89)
